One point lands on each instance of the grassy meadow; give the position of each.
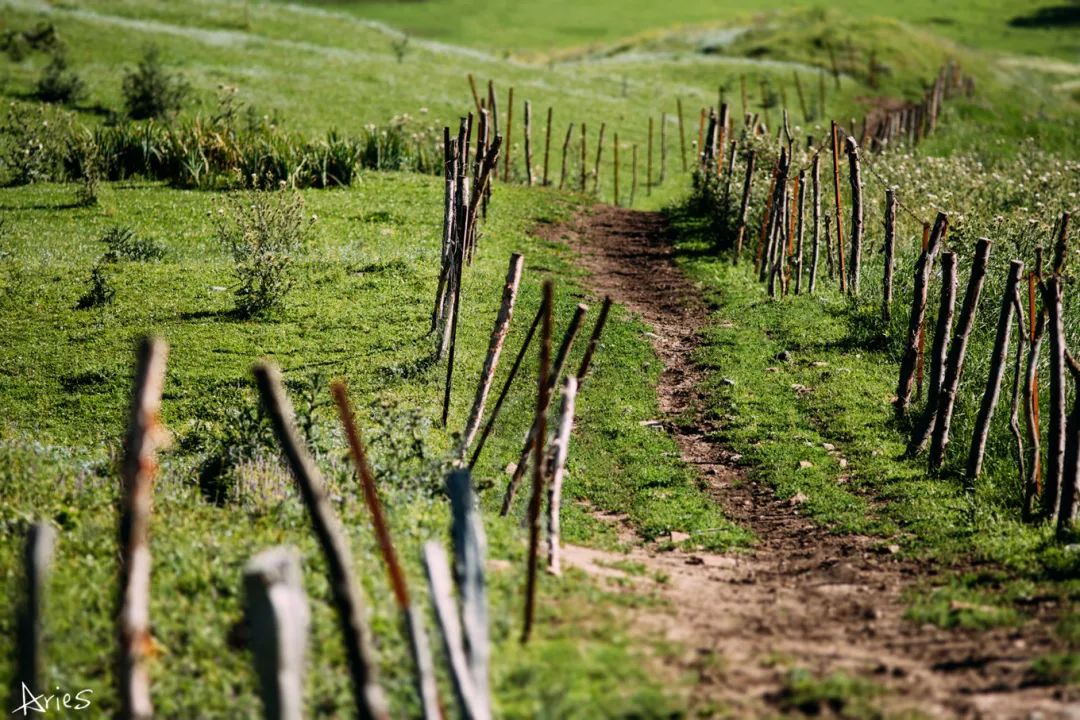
(1003, 163)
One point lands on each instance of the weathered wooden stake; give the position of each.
(1055, 445)
(368, 694)
(528, 143)
(890, 250)
(744, 206)
(997, 370)
(475, 95)
(663, 147)
(565, 148)
(145, 435)
(800, 185)
(923, 267)
(939, 440)
(633, 174)
(682, 133)
(596, 165)
(802, 98)
(1070, 478)
(584, 162)
(547, 147)
(1032, 489)
(815, 175)
(839, 205)
(615, 150)
(277, 618)
(498, 337)
(648, 161)
(855, 177)
(562, 446)
(509, 134)
(543, 398)
(459, 262)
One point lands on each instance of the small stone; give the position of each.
(893, 549)
(843, 462)
(510, 468)
(805, 464)
(798, 499)
(678, 537)
(820, 363)
(828, 446)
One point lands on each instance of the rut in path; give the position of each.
(803, 597)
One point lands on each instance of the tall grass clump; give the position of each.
(150, 91)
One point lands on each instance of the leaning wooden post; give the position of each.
(1055, 445)
(475, 95)
(663, 147)
(547, 147)
(470, 552)
(145, 435)
(997, 370)
(419, 647)
(562, 446)
(633, 174)
(596, 166)
(565, 148)
(682, 133)
(277, 618)
(615, 150)
(815, 175)
(648, 161)
(367, 693)
(908, 360)
(939, 441)
(440, 585)
(1061, 244)
(802, 98)
(855, 177)
(528, 143)
(839, 205)
(800, 186)
(543, 398)
(744, 206)
(1070, 478)
(455, 311)
(701, 136)
(890, 249)
(30, 655)
(1017, 386)
(921, 357)
(509, 134)
(1032, 487)
(498, 337)
(506, 388)
(1037, 325)
(766, 220)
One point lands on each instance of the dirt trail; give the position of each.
(802, 597)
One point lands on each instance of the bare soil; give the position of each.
(802, 597)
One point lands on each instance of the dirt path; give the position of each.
(802, 597)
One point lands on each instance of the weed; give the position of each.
(263, 231)
(150, 91)
(58, 84)
(840, 694)
(101, 292)
(34, 144)
(124, 244)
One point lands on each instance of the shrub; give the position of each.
(100, 292)
(150, 91)
(83, 163)
(59, 85)
(263, 231)
(124, 244)
(34, 144)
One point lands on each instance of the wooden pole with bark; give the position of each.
(890, 250)
(939, 440)
(495, 344)
(615, 177)
(1032, 489)
(925, 426)
(839, 205)
(139, 466)
(543, 398)
(565, 149)
(509, 134)
(815, 233)
(557, 471)
(277, 618)
(1070, 478)
(663, 147)
(528, 143)
(744, 206)
(648, 160)
(923, 268)
(800, 184)
(855, 178)
(997, 370)
(584, 161)
(596, 166)
(368, 694)
(547, 147)
(682, 133)
(1055, 443)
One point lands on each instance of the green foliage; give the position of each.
(838, 695)
(33, 140)
(151, 91)
(101, 290)
(263, 231)
(58, 84)
(123, 244)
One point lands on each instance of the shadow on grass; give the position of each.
(1049, 17)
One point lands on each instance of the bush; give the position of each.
(83, 163)
(150, 91)
(124, 244)
(262, 231)
(34, 144)
(100, 292)
(59, 85)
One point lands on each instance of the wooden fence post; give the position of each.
(839, 205)
(855, 176)
(30, 653)
(562, 446)
(1055, 446)
(923, 268)
(615, 150)
(145, 435)
(565, 148)
(648, 161)
(368, 694)
(498, 337)
(528, 143)
(459, 262)
(509, 134)
(744, 206)
(800, 186)
(599, 152)
(663, 147)
(475, 95)
(682, 133)
(426, 687)
(802, 98)
(277, 618)
(815, 177)
(547, 147)
(939, 440)
(1070, 478)
(543, 398)
(1031, 416)
(890, 249)
(584, 161)
(997, 370)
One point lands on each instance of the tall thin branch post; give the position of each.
(633, 175)
(648, 160)
(30, 645)
(938, 355)
(997, 371)
(459, 262)
(615, 178)
(509, 134)
(599, 152)
(368, 694)
(800, 203)
(855, 177)
(815, 232)
(495, 344)
(584, 161)
(663, 147)
(890, 251)
(562, 446)
(277, 617)
(939, 441)
(1070, 478)
(528, 143)
(1055, 443)
(1032, 488)
(923, 268)
(145, 435)
(543, 398)
(426, 688)
(839, 205)
(744, 206)
(547, 147)
(682, 133)
(565, 149)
